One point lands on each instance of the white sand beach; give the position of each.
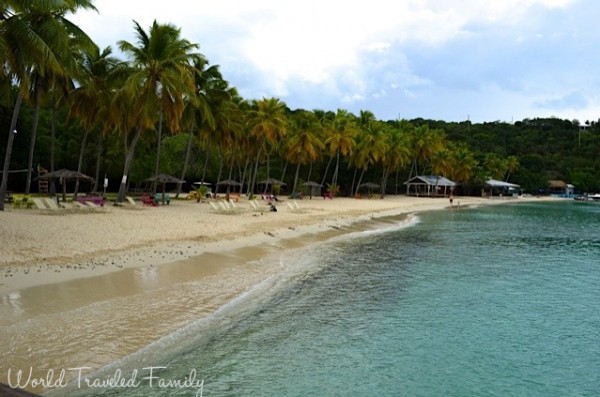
(88, 288)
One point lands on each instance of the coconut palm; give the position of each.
(340, 138)
(370, 148)
(303, 145)
(512, 164)
(90, 101)
(426, 143)
(162, 77)
(464, 166)
(198, 117)
(35, 36)
(397, 152)
(267, 123)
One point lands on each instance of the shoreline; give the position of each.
(66, 247)
(123, 303)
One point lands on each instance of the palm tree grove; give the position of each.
(162, 107)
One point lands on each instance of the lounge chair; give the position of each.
(130, 200)
(214, 206)
(39, 203)
(50, 203)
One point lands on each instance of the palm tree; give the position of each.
(267, 123)
(304, 145)
(464, 166)
(426, 143)
(27, 46)
(512, 164)
(162, 77)
(90, 101)
(397, 152)
(370, 148)
(340, 138)
(494, 166)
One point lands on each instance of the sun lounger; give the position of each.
(214, 206)
(39, 203)
(50, 203)
(130, 200)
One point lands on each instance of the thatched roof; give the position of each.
(556, 184)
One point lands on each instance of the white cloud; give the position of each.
(352, 52)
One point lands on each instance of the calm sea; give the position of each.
(494, 301)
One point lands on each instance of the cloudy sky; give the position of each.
(453, 60)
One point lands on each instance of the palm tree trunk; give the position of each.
(127, 166)
(296, 178)
(284, 170)
(188, 153)
(359, 180)
(98, 161)
(309, 171)
(326, 170)
(9, 145)
(337, 168)
(36, 119)
(157, 164)
(384, 179)
(206, 160)
(251, 188)
(244, 175)
(80, 162)
(353, 180)
(52, 187)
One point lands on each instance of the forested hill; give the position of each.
(547, 148)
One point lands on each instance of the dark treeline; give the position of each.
(65, 103)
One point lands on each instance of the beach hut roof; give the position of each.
(431, 180)
(557, 184)
(500, 184)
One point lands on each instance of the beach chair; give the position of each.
(232, 205)
(130, 200)
(51, 204)
(214, 206)
(39, 203)
(224, 206)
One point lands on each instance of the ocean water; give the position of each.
(493, 301)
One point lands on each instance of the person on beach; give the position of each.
(451, 199)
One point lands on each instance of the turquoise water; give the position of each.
(494, 301)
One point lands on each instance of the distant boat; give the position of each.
(589, 197)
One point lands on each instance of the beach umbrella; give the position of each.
(370, 186)
(164, 179)
(270, 182)
(63, 175)
(311, 185)
(229, 183)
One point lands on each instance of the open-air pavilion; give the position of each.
(495, 187)
(429, 186)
